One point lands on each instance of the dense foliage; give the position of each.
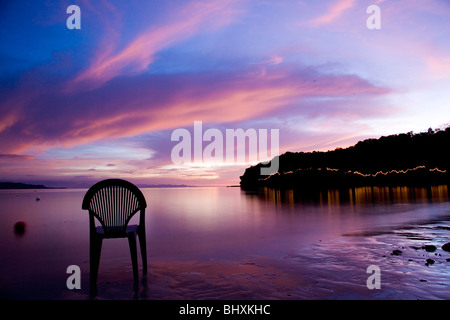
(401, 159)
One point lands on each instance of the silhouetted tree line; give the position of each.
(19, 185)
(414, 154)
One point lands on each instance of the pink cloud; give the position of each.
(334, 12)
(440, 68)
(137, 55)
(128, 107)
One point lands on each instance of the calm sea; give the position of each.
(330, 234)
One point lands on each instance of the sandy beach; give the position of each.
(314, 273)
(246, 249)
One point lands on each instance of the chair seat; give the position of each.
(116, 232)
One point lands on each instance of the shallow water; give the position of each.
(216, 243)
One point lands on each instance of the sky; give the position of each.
(81, 105)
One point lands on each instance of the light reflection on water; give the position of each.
(360, 196)
(194, 224)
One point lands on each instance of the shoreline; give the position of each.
(335, 269)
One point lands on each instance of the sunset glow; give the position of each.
(78, 106)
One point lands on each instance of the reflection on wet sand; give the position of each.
(407, 244)
(359, 196)
(225, 243)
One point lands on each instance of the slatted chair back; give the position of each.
(113, 202)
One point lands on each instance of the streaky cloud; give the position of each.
(335, 11)
(130, 106)
(140, 53)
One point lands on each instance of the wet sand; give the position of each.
(237, 247)
(316, 272)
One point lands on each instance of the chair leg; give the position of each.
(94, 252)
(133, 251)
(143, 246)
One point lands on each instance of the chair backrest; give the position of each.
(114, 202)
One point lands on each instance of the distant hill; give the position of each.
(19, 185)
(401, 159)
